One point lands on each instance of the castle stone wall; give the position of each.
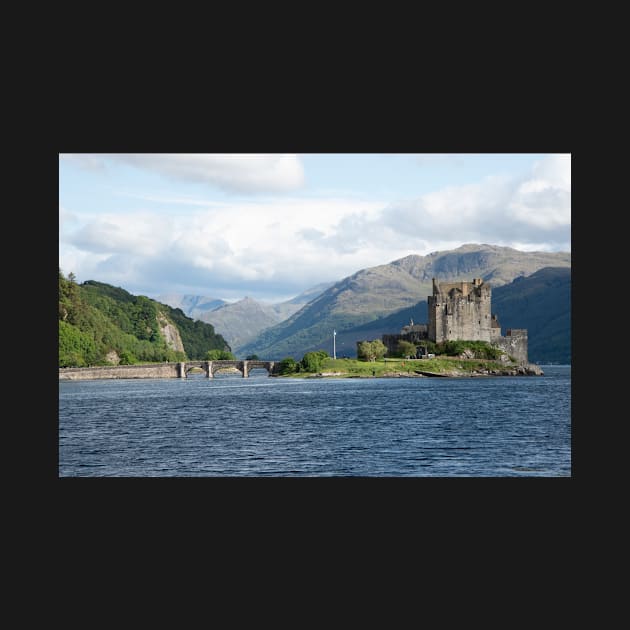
(514, 343)
(391, 341)
(460, 310)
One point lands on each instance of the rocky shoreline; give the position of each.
(521, 370)
(518, 370)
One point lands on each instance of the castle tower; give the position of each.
(461, 310)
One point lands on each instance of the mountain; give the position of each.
(240, 322)
(542, 304)
(284, 310)
(100, 324)
(192, 305)
(310, 294)
(377, 292)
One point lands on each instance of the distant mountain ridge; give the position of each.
(191, 305)
(376, 292)
(240, 322)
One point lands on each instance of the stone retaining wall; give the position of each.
(514, 344)
(158, 370)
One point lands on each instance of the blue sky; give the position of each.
(272, 225)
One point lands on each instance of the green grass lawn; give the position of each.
(438, 365)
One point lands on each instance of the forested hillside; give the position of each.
(100, 325)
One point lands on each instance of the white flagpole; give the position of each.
(334, 344)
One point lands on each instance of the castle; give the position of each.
(461, 310)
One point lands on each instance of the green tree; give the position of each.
(379, 349)
(219, 355)
(76, 348)
(364, 350)
(479, 349)
(126, 358)
(72, 307)
(406, 349)
(145, 319)
(312, 361)
(371, 350)
(288, 365)
(252, 357)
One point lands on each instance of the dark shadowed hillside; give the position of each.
(542, 304)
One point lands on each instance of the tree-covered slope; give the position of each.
(198, 337)
(100, 324)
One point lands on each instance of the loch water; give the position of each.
(266, 426)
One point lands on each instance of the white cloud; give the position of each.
(173, 199)
(543, 201)
(535, 208)
(554, 171)
(83, 264)
(139, 234)
(251, 245)
(233, 172)
(275, 247)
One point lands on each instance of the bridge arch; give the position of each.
(212, 367)
(190, 365)
(217, 366)
(244, 367)
(260, 365)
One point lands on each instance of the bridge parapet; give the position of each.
(138, 370)
(178, 369)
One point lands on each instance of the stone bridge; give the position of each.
(165, 370)
(212, 367)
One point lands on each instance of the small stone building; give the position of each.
(414, 333)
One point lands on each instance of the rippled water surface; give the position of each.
(261, 426)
